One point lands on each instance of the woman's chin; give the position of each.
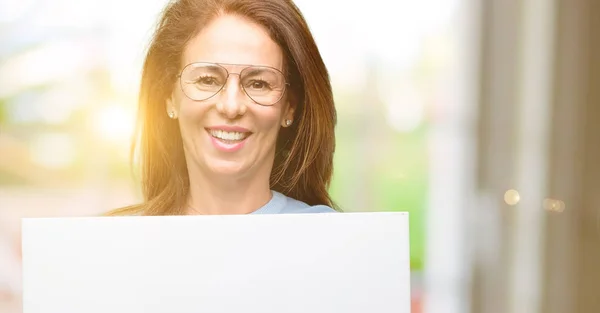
(227, 168)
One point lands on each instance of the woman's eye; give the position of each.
(258, 84)
(208, 81)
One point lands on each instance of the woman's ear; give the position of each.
(171, 108)
(288, 115)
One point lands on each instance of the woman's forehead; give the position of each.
(233, 41)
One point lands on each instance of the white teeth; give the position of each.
(228, 135)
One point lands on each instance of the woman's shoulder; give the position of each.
(296, 206)
(132, 210)
(317, 209)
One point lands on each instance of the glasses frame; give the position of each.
(245, 66)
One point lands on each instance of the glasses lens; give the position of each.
(201, 81)
(264, 85)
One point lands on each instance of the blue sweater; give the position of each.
(282, 204)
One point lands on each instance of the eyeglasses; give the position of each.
(262, 84)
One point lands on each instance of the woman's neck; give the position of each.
(226, 196)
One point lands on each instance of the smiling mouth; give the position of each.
(228, 137)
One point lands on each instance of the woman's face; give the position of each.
(224, 131)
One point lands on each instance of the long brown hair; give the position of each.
(303, 164)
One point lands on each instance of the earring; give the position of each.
(171, 114)
(288, 122)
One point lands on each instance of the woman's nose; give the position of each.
(231, 101)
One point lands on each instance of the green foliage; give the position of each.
(3, 113)
(394, 179)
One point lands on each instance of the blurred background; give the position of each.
(479, 117)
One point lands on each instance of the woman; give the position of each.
(236, 112)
